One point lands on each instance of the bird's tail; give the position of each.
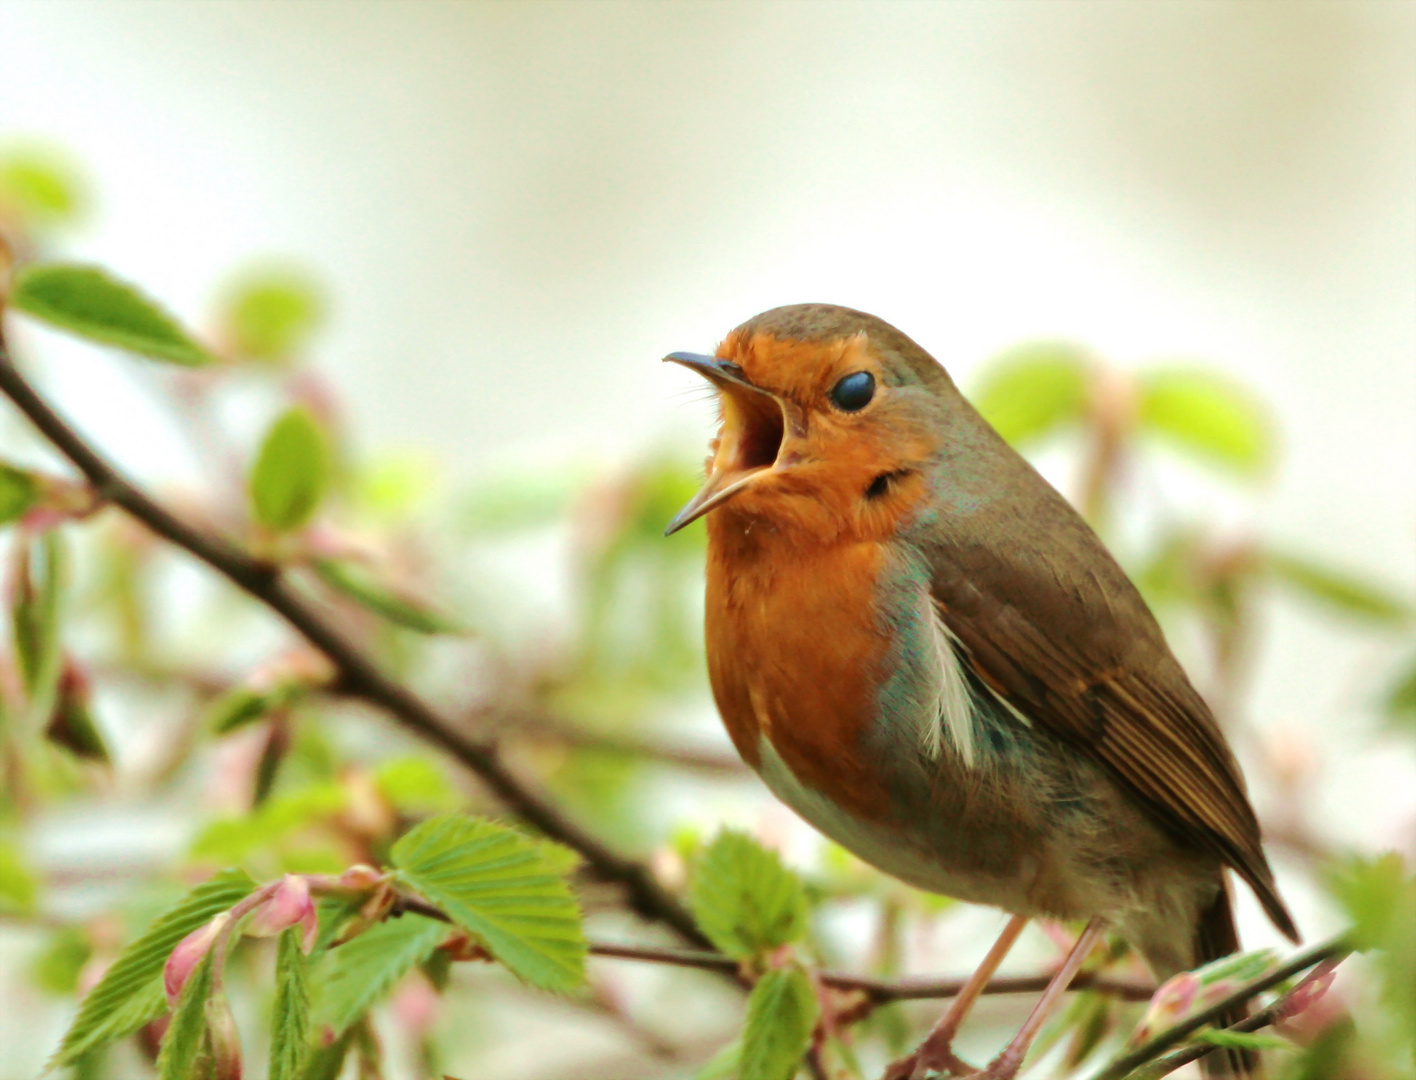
(1216, 937)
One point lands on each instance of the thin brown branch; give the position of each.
(358, 675)
(1335, 949)
(879, 991)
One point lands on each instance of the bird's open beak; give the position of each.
(753, 424)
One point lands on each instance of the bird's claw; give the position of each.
(928, 1062)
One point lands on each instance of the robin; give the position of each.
(925, 651)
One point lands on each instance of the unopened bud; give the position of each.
(290, 905)
(188, 955)
(1174, 1000)
(225, 1040)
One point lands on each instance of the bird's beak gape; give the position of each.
(753, 425)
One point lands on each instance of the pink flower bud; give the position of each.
(188, 954)
(1307, 993)
(288, 906)
(1174, 1000)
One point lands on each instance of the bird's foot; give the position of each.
(929, 1061)
(1004, 1067)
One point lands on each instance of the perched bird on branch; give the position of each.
(927, 653)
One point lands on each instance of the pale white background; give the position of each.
(518, 208)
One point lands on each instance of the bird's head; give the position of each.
(829, 420)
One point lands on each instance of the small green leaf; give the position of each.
(359, 585)
(1209, 415)
(231, 839)
(415, 786)
(19, 491)
(290, 1019)
(781, 1014)
(57, 967)
(270, 313)
(1242, 1040)
(499, 886)
(721, 1066)
(72, 724)
(39, 587)
(125, 997)
(745, 900)
(1032, 390)
(1379, 896)
(39, 184)
(1401, 699)
(19, 892)
(291, 472)
(1338, 589)
(245, 705)
(353, 978)
(182, 1042)
(235, 709)
(87, 301)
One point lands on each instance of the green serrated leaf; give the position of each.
(359, 585)
(745, 900)
(1210, 415)
(19, 491)
(39, 586)
(1338, 589)
(353, 978)
(269, 314)
(781, 1014)
(291, 472)
(327, 1062)
(87, 301)
(125, 997)
(19, 891)
(1241, 1040)
(1032, 390)
(185, 1035)
(290, 1018)
(499, 886)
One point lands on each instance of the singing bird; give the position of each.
(925, 651)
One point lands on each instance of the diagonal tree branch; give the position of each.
(358, 674)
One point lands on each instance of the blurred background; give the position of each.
(494, 219)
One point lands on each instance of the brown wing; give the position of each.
(1080, 654)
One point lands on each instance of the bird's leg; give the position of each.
(935, 1054)
(1005, 1066)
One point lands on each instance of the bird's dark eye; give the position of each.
(854, 391)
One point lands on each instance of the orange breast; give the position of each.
(793, 655)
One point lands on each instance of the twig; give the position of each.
(1261, 1019)
(358, 675)
(878, 991)
(1335, 949)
